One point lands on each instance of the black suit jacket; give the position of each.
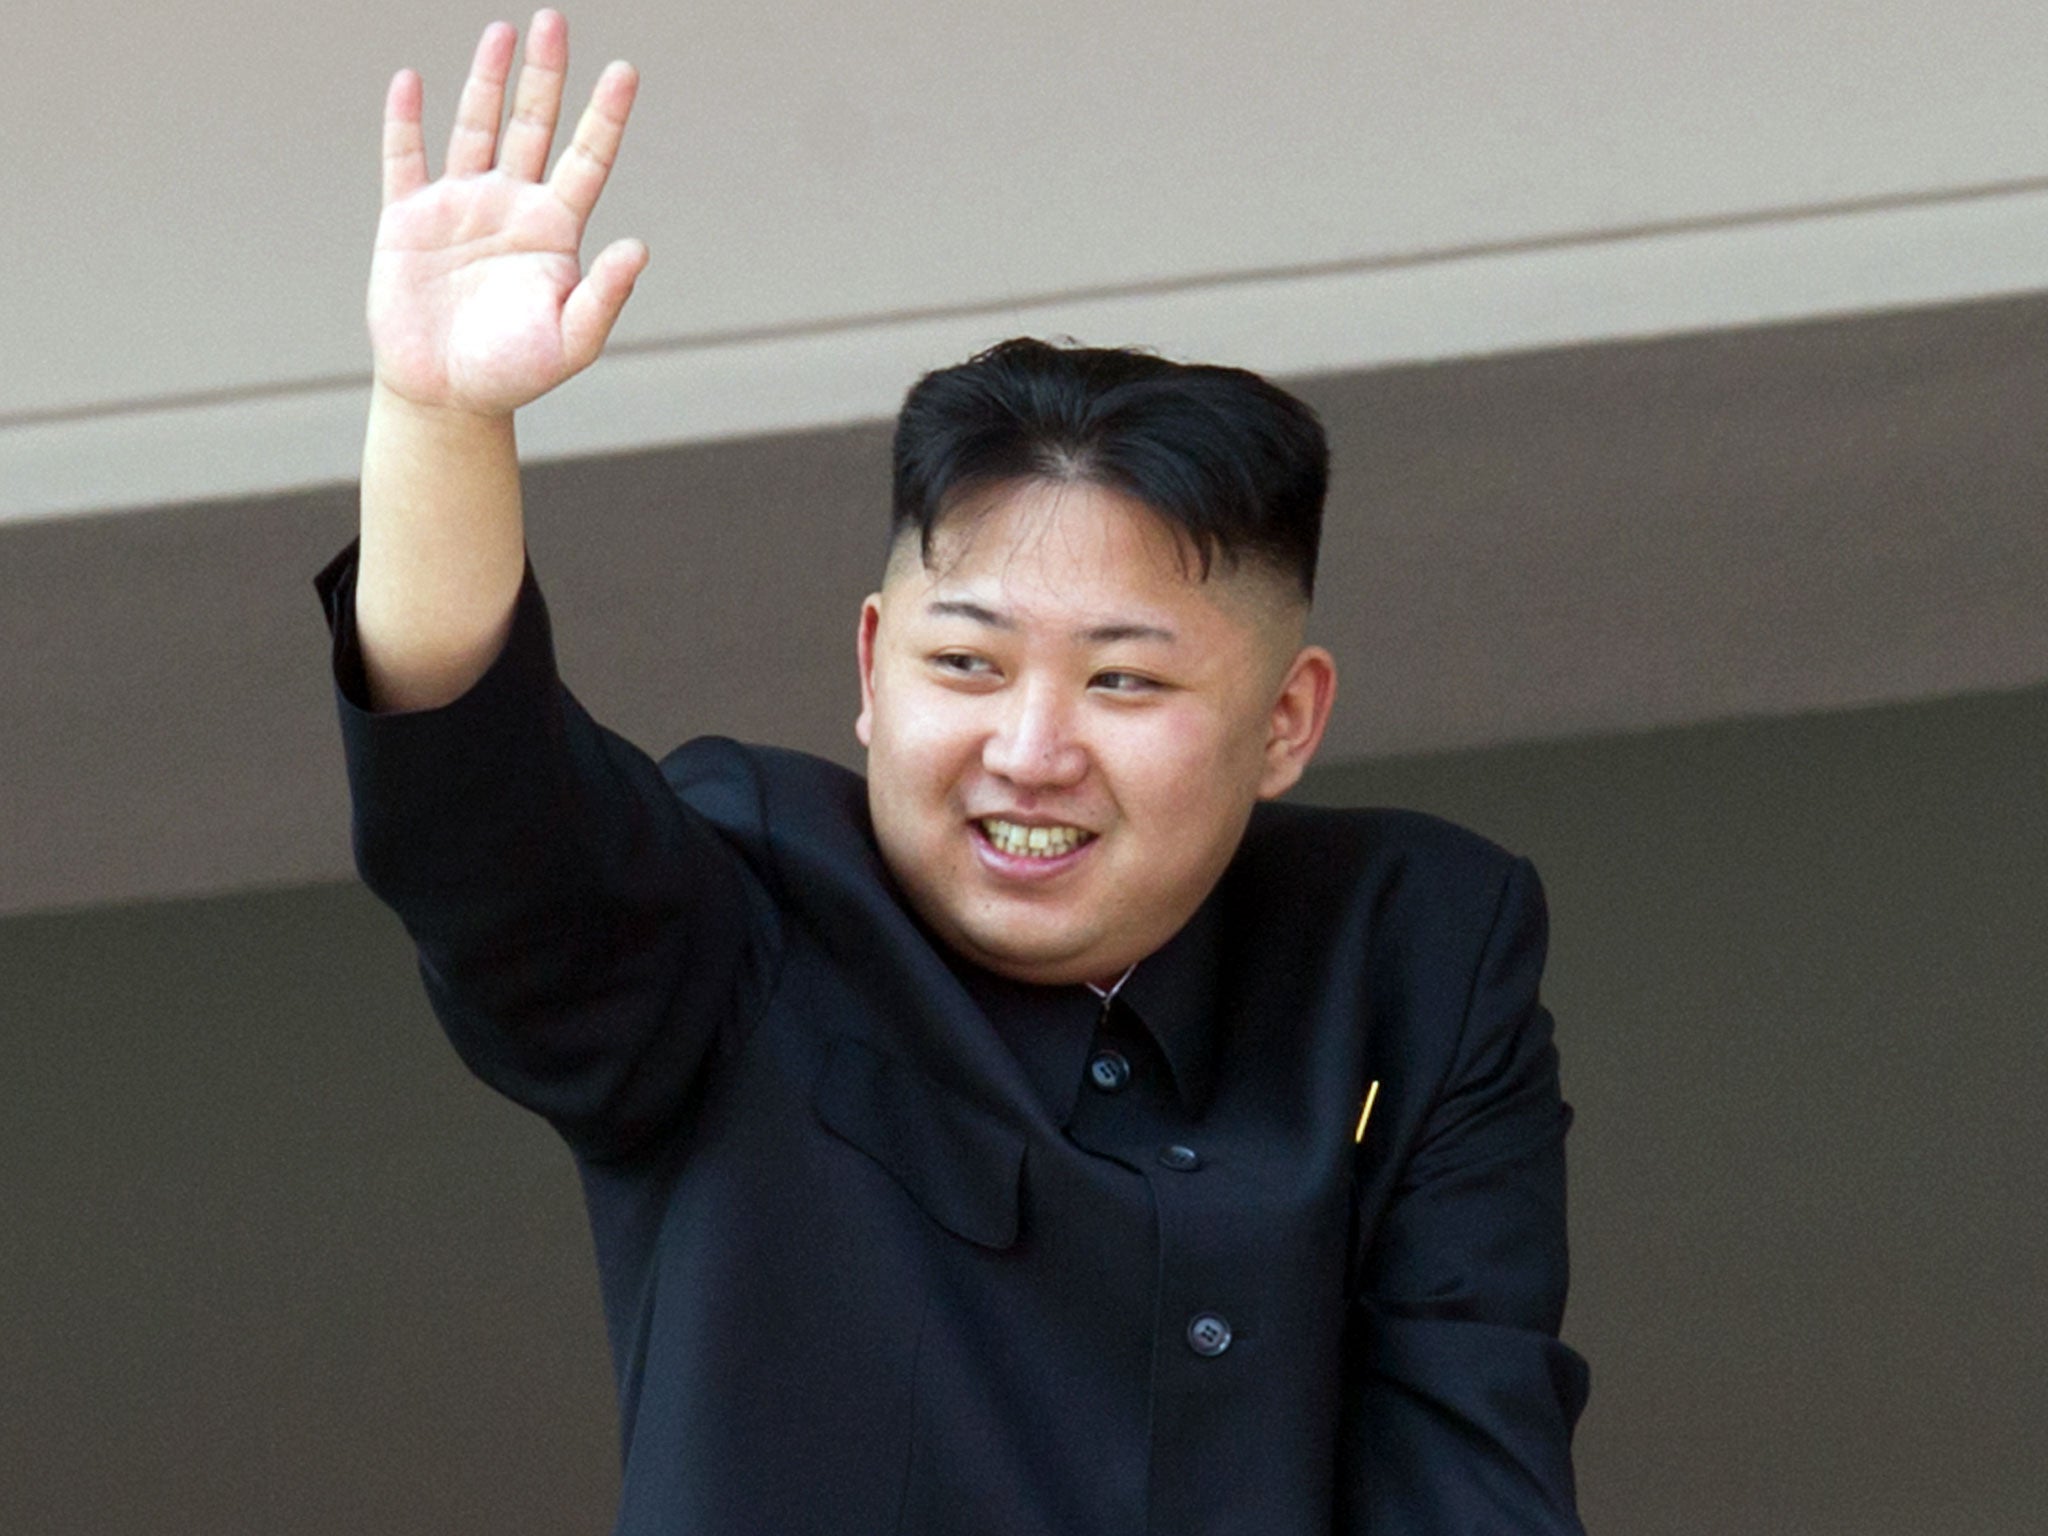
(863, 1274)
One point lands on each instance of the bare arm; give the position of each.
(477, 305)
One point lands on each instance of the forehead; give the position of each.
(1078, 552)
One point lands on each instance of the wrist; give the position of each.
(396, 406)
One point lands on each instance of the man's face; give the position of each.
(1067, 726)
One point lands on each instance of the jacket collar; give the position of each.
(1173, 993)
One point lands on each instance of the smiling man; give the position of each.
(1048, 1134)
(1067, 730)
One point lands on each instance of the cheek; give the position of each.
(920, 748)
(1183, 768)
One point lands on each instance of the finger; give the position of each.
(473, 143)
(537, 104)
(593, 305)
(405, 152)
(580, 173)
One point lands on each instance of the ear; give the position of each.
(1295, 728)
(864, 649)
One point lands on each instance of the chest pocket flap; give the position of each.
(957, 1161)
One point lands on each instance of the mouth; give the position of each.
(1041, 843)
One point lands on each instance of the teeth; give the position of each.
(1033, 842)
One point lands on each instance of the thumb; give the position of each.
(593, 305)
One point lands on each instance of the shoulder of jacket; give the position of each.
(722, 777)
(794, 811)
(1346, 843)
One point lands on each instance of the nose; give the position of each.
(1033, 743)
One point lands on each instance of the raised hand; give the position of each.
(477, 302)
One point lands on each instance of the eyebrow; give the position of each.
(1095, 634)
(954, 608)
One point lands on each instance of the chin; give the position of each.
(1042, 961)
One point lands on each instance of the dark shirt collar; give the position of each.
(1171, 993)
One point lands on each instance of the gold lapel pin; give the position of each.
(1365, 1113)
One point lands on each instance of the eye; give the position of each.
(962, 664)
(1124, 682)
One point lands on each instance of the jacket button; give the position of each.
(1181, 1158)
(1108, 1070)
(1208, 1334)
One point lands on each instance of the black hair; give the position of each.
(1232, 461)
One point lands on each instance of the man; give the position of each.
(1047, 1135)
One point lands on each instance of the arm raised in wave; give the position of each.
(585, 937)
(477, 306)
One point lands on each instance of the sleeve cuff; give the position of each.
(527, 657)
(493, 756)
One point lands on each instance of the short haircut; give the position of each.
(1232, 461)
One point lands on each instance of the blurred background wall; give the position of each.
(1685, 374)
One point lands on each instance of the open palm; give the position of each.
(477, 300)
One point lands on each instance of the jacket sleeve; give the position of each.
(586, 939)
(1460, 1399)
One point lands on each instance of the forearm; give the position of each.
(443, 549)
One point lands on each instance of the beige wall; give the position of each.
(840, 195)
